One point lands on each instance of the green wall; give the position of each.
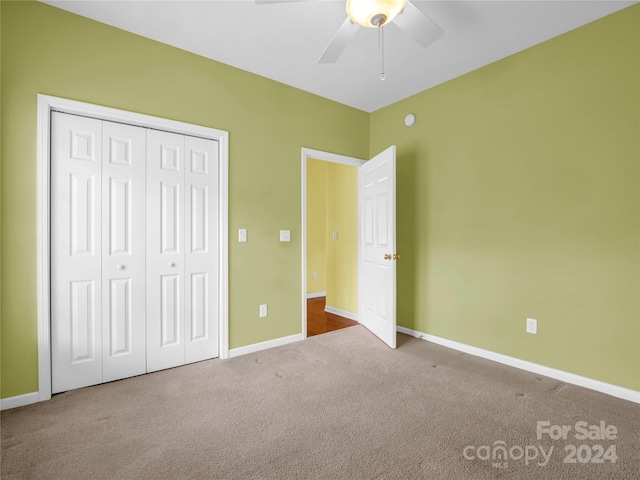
(50, 51)
(518, 192)
(519, 197)
(316, 225)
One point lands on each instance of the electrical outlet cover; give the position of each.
(285, 235)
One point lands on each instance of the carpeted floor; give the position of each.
(336, 406)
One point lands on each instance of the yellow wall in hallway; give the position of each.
(316, 225)
(342, 253)
(332, 191)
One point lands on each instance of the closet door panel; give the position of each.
(76, 246)
(201, 252)
(123, 252)
(165, 250)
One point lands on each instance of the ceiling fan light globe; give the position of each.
(363, 12)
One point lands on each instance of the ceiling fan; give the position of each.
(376, 14)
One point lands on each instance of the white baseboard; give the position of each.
(19, 400)
(342, 313)
(256, 347)
(316, 295)
(609, 389)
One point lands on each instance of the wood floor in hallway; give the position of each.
(319, 321)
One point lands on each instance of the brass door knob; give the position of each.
(387, 256)
(396, 256)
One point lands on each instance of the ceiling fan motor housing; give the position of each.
(378, 19)
(374, 13)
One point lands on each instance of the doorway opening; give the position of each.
(330, 241)
(376, 234)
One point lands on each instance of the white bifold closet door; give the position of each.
(97, 251)
(182, 249)
(134, 250)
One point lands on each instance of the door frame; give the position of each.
(309, 153)
(47, 104)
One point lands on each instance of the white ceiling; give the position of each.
(283, 41)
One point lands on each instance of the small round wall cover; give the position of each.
(410, 120)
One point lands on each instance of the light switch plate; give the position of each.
(285, 235)
(263, 311)
(242, 235)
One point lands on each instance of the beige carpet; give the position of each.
(336, 406)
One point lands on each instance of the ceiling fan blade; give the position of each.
(339, 41)
(418, 25)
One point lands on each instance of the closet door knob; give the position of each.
(171, 264)
(120, 267)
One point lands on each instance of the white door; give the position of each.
(377, 245)
(165, 250)
(123, 251)
(134, 250)
(97, 251)
(182, 250)
(76, 252)
(201, 262)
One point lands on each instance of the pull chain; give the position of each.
(381, 47)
